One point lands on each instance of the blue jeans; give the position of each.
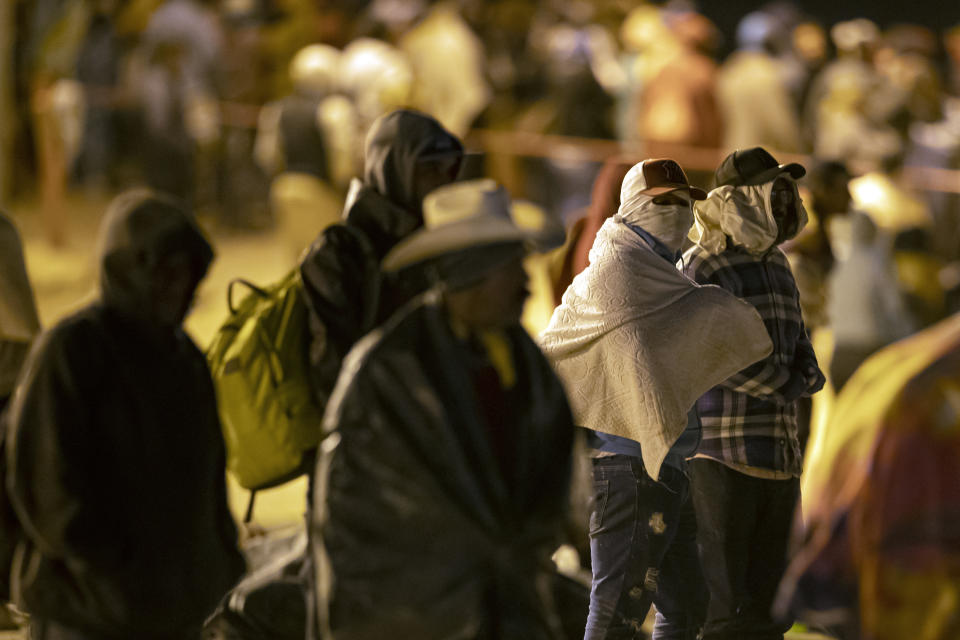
(643, 551)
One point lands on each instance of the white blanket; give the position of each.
(636, 342)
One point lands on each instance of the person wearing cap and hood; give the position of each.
(636, 343)
(116, 464)
(407, 155)
(442, 489)
(752, 87)
(745, 476)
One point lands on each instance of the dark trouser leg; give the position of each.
(743, 532)
(633, 522)
(768, 561)
(681, 600)
(50, 630)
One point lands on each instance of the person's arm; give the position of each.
(765, 379)
(341, 290)
(340, 281)
(51, 448)
(805, 361)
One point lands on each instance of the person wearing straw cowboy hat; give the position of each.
(440, 492)
(746, 473)
(636, 343)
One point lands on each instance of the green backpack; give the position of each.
(259, 363)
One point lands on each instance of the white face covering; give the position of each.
(744, 215)
(668, 223)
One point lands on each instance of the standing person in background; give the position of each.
(180, 48)
(756, 103)
(115, 458)
(448, 61)
(679, 104)
(98, 72)
(633, 382)
(308, 141)
(746, 473)
(866, 307)
(242, 79)
(56, 29)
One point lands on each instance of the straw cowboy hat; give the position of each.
(471, 214)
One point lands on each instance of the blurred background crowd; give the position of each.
(179, 92)
(254, 112)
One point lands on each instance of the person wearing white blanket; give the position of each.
(635, 343)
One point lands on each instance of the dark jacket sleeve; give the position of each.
(51, 448)
(340, 282)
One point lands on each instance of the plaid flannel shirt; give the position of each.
(751, 418)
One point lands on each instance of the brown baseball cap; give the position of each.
(662, 175)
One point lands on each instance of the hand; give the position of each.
(815, 379)
(796, 386)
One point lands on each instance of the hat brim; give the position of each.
(695, 193)
(795, 170)
(426, 244)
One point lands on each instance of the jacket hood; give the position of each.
(742, 215)
(396, 142)
(139, 230)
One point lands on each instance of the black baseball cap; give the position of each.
(753, 166)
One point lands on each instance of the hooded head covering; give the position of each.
(669, 223)
(743, 214)
(139, 230)
(396, 142)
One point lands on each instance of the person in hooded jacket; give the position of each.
(745, 476)
(636, 343)
(407, 155)
(116, 465)
(442, 489)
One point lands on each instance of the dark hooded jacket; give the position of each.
(426, 527)
(115, 461)
(346, 293)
